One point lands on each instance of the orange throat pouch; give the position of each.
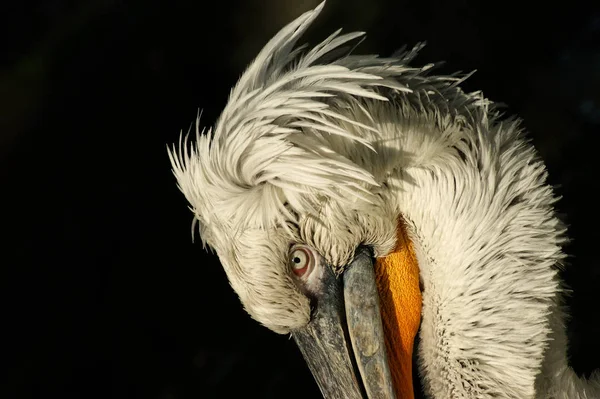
(397, 279)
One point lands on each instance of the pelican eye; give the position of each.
(301, 261)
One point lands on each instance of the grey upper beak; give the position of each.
(344, 342)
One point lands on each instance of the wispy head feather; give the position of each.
(270, 155)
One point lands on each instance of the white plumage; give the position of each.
(328, 149)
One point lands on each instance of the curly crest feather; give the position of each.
(270, 156)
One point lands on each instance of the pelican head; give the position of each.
(355, 201)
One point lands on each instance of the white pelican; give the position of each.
(355, 201)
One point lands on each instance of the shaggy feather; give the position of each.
(330, 151)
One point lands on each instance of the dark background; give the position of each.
(106, 295)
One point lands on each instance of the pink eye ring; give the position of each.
(301, 261)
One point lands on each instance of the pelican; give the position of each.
(357, 201)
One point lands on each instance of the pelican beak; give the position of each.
(359, 342)
(344, 344)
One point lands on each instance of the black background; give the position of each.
(106, 295)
